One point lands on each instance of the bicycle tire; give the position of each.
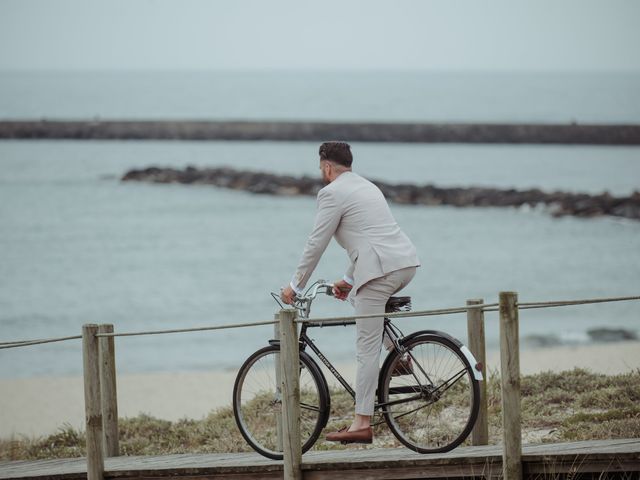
(453, 396)
(258, 423)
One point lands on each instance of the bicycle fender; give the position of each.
(475, 368)
(437, 333)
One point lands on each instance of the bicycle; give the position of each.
(428, 387)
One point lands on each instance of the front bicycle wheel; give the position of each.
(429, 396)
(257, 402)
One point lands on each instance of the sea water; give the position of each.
(78, 246)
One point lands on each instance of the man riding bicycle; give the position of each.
(383, 261)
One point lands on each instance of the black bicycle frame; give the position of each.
(393, 335)
(305, 340)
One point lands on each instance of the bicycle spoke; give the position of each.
(412, 411)
(459, 375)
(313, 408)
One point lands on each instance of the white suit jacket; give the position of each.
(355, 211)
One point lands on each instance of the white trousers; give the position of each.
(370, 299)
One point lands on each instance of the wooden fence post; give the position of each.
(92, 402)
(510, 372)
(276, 335)
(109, 392)
(290, 376)
(475, 332)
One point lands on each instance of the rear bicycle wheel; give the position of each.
(433, 405)
(257, 402)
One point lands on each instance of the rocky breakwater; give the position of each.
(558, 203)
(105, 129)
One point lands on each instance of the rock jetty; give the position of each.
(558, 203)
(102, 129)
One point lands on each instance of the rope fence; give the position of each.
(26, 343)
(490, 307)
(186, 330)
(564, 303)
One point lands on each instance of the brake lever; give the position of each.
(276, 297)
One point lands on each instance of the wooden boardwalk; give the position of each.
(539, 461)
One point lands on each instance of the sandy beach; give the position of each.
(39, 406)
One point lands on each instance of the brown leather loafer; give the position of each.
(364, 435)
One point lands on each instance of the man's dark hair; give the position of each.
(338, 152)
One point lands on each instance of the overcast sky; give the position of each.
(389, 34)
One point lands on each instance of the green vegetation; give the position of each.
(556, 407)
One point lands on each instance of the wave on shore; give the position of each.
(591, 336)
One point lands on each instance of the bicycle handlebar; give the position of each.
(302, 302)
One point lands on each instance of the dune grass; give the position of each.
(556, 407)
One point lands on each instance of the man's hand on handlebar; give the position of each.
(341, 289)
(287, 295)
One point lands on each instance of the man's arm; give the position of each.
(326, 222)
(348, 277)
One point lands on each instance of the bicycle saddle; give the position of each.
(398, 304)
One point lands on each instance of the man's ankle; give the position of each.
(354, 427)
(360, 422)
